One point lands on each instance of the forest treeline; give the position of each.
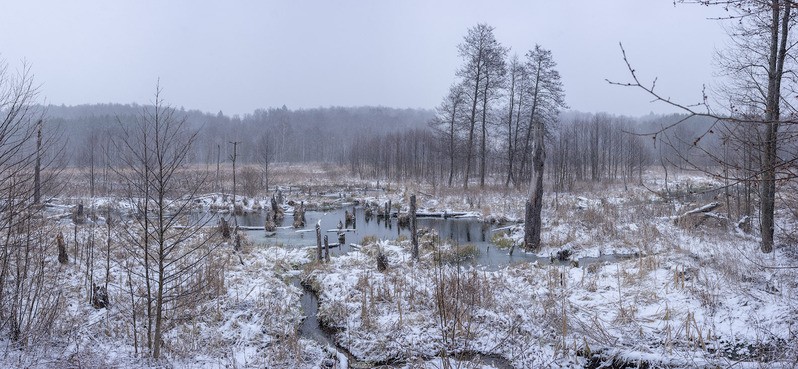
(391, 144)
(273, 134)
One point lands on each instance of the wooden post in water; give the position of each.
(318, 240)
(413, 230)
(326, 249)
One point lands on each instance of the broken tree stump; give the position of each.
(62, 253)
(99, 297)
(269, 226)
(79, 217)
(326, 249)
(382, 261)
(318, 240)
(224, 227)
(299, 216)
(277, 211)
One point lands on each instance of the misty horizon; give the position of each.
(214, 57)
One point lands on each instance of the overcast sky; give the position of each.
(237, 56)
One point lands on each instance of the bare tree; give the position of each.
(265, 156)
(515, 103)
(30, 292)
(761, 64)
(168, 246)
(546, 98)
(479, 51)
(495, 71)
(446, 124)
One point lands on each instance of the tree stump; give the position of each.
(224, 227)
(318, 240)
(277, 211)
(99, 297)
(269, 226)
(299, 216)
(382, 261)
(326, 249)
(63, 258)
(403, 220)
(80, 216)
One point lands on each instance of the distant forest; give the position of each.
(381, 142)
(291, 136)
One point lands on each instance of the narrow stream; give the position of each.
(460, 230)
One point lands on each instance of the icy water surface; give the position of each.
(460, 230)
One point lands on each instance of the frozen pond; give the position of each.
(460, 230)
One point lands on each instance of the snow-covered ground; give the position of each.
(701, 304)
(676, 295)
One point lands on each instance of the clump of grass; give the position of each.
(369, 240)
(501, 240)
(428, 238)
(246, 243)
(457, 253)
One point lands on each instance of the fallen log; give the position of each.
(251, 228)
(702, 209)
(696, 217)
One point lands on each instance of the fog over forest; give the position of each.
(341, 135)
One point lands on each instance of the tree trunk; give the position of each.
(483, 139)
(37, 182)
(534, 206)
(413, 225)
(318, 241)
(326, 249)
(62, 253)
(527, 140)
(510, 133)
(451, 144)
(473, 123)
(778, 51)
(156, 352)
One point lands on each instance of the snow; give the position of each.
(673, 296)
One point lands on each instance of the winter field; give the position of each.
(628, 277)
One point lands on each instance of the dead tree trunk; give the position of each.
(413, 225)
(37, 182)
(326, 249)
(62, 253)
(382, 260)
(534, 206)
(318, 240)
(224, 227)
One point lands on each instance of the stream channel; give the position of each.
(460, 230)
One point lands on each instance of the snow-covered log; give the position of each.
(696, 217)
